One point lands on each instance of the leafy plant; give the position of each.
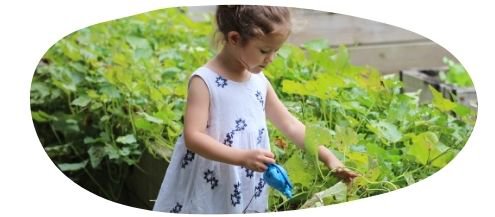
(456, 74)
(104, 94)
(362, 116)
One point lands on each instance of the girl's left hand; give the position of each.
(344, 173)
(336, 166)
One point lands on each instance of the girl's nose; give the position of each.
(270, 57)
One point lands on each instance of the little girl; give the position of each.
(218, 161)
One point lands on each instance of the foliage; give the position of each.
(365, 119)
(456, 74)
(103, 95)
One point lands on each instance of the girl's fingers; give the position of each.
(269, 154)
(268, 160)
(261, 167)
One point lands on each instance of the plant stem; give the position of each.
(107, 195)
(129, 113)
(285, 201)
(56, 135)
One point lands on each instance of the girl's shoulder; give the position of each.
(202, 71)
(262, 78)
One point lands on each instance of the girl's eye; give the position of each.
(264, 52)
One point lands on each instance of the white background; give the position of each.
(31, 184)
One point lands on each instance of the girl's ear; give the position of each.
(233, 38)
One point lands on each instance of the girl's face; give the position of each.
(257, 53)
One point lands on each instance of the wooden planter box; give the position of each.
(415, 79)
(463, 95)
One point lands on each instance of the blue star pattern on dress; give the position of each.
(229, 138)
(187, 158)
(260, 136)
(221, 82)
(240, 124)
(259, 97)
(210, 178)
(249, 173)
(258, 189)
(177, 208)
(236, 196)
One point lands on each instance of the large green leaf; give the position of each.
(386, 131)
(440, 102)
(344, 137)
(292, 87)
(425, 147)
(314, 137)
(334, 194)
(300, 170)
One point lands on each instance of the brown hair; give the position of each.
(249, 21)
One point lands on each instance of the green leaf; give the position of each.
(423, 147)
(300, 171)
(358, 158)
(81, 101)
(110, 91)
(72, 166)
(112, 151)
(142, 53)
(58, 150)
(462, 110)
(443, 155)
(127, 139)
(344, 137)
(141, 123)
(342, 57)
(358, 148)
(284, 52)
(71, 51)
(409, 178)
(440, 102)
(96, 154)
(89, 140)
(314, 137)
(386, 131)
(151, 118)
(138, 42)
(338, 191)
(292, 87)
(41, 116)
(456, 74)
(141, 46)
(316, 45)
(120, 59)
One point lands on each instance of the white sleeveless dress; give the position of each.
(194, 184)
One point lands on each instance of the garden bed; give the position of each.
(419, 79)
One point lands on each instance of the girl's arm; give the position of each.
(196, 139)
(291, 127)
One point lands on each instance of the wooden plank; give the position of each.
(386, 47)
(392, 58)
(342, 29)
(336, 28)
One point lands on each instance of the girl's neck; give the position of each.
(227, 65)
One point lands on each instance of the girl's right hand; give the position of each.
(257, 159)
